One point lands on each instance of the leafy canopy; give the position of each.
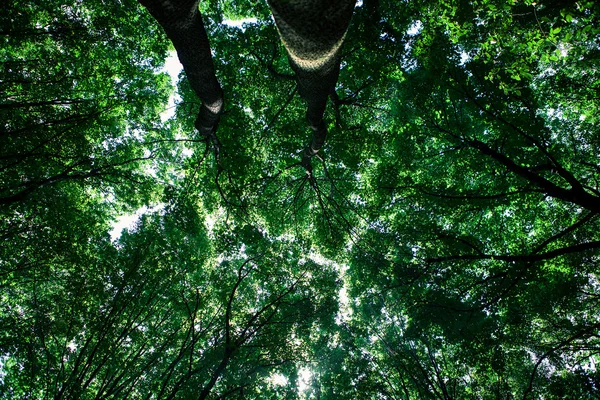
(446, 247)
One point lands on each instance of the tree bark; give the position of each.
(183, 25)
(312, 32)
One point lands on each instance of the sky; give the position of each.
(172, 67)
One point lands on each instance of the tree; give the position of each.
(442, 244)
(488, 249)
(183, 25)
(156, 315)
(312, 33)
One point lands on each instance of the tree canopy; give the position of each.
(444, 242)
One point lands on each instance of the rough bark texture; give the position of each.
(183, 25)
(313, 31)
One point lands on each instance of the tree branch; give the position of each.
(521, 258)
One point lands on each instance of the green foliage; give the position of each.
(445, 245)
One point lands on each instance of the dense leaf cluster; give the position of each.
(445, 245)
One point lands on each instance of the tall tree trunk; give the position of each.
(313, 31)
(183, 25)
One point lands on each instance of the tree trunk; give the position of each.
(313, 31)
(183, 25)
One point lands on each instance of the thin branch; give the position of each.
(547, 354)
(522, 258)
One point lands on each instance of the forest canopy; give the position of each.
(434, 233)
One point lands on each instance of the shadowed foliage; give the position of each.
(435, 236)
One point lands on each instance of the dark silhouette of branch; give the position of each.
(522, 258)
(317, 142)
(57, 102)
(566, 342)
(70, 173)
(577, 189)
(281, 109)
(269, 65)
(574, 195)
(572, 228)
